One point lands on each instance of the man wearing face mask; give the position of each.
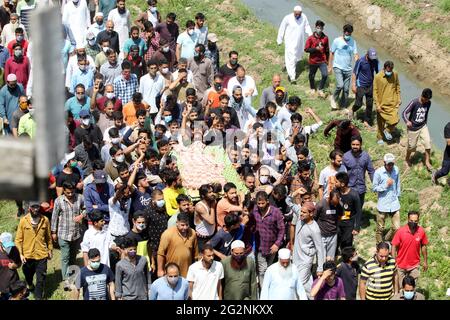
(121, 17)
(98, 25)
(212, 52)
(9, 30)
(137, 62)
(386, 94)
(9, 100)
(186, 42)
(282, 281)
(83, 75)
(318, 47)
(134, 40)
(20, 39)
(75, 15)
(92, 47)
(152, 15)
(126, 84)
(21, 111)
(247, 83)
(18, 65)
(111, 69)
(170, 287)
(292, 30)
(72, 64)
(27, 124)
(95, 278)
(9, 263)
(111, 35)
(79, 102)
(239, 274)
(408, 291)
(228, 70)
(169, 30)
(165, 53)
(106, 119)
(343, 49)
(117, 157)
(108, 97)
(131, 276)
(409, 241)
(139, 230)
(34, 242)
(202, 70)
(213, 94)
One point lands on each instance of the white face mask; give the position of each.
(110, 95)
(115, 140)
(173, 281)
(91, 42)
(31, 111)
(105, 49)
(164, 70)
(166, 49)
(190, 32)
(278, 162)
(86, 121)
(264, 179)
(120, 158)
(160, 203)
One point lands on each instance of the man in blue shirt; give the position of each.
(358, 162)
(362, 83)
(78, 102)
(386, 182)
(83, 75)
(9, 100)
(171, 286)
(342, 51)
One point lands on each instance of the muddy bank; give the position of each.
(411, 46)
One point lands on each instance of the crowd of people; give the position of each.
(136, 91)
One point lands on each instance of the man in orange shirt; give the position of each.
(129, 110)
(213, 93)
(228, 204)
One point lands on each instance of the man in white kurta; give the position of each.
(122, 22)
(281, 280)
(76, 16)
(247, 84)
(292, 30)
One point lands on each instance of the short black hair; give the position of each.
(203, 190)
(117, 115)
(183, 217)
(228, 186)
(190, 23)
(262, 195)
(304, 166)
(389, 64)
(358, 137)
(200, 16)
(348, 28)
(230, 220)
(335, 153)
(233, 52)
(427, 93)
(342, 177)
(280, 189)
(96, 215)
(413, 212)
(408, 280)
(126, 65)
(347, 254)
(68, 185)
(296, 116)
(320, 23)
(190, 92)
(171, 15)
(207, 247)
(183, 198)
(121, 167)
(139, 214)
(128, 243)
(294, 100)
(93, 253)
(302, 150)
(329, 265)
(113, 132)
(382, 245)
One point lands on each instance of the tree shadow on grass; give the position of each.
(300, 67)
(52, 282)
(367, 215)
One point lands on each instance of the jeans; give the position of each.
(263, 262)
(362, 92)
(444, 170)
(381, 216)
(312, 74)
(38, 267)
(342, 84)
(69, 250)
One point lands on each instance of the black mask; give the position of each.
(217, 86)
(239, 259)
(412, 226)
(212, 46)
(238, 100)
(121, 10)
(198, 57)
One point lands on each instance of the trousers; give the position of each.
(39, 268)
(381, 219)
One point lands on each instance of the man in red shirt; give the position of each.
(408, 241)
(19, 65)
(319, 52)
(20, 39)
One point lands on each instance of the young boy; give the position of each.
(348, 270)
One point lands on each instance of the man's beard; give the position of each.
(285, 273)
(236, 265)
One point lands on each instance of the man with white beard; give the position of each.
(292, 30)
(281, 280)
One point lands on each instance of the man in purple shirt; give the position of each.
(328, 286)
(269, 233)
(358, 162)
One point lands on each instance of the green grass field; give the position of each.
(238, 29)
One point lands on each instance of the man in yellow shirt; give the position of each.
(386, 94)
(172, 191)
(34, 242)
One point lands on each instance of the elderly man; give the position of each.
(247, 84)
(386, 182)
(9, 100)
(9, 30)
(269, 93)
(239, 274)
(111, 35)
(386, 94)
(281, 281)
(98, 25)
(292, 30)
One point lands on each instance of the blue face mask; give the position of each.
(347, 38)
(160, 203)
(167, 119)
(95, 265)
(409, 295)
(388, 73)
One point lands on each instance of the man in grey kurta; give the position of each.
(308, 243)
(131, 276)
(239, 281)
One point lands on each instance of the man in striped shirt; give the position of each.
(66, 225)
(378, 280)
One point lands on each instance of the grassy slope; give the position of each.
(416, 17)
(239, 29)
